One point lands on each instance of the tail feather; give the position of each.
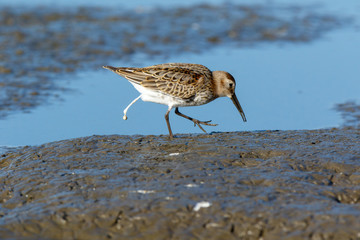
(128, 73)
(110, 68)
(114, 69)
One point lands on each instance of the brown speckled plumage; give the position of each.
(179, 85)
(180, 80)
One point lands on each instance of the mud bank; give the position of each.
(248, 185)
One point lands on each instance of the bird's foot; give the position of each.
(198, 122)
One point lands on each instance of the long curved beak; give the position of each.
(238, 106)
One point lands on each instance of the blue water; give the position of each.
(288, 86)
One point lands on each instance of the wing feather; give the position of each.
(176, 79)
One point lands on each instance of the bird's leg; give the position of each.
(195, 121)
(127, 108)
(168, 123)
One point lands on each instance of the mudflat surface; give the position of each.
(238, 185)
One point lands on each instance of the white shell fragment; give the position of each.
(201, 205)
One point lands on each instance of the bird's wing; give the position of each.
(176, 79)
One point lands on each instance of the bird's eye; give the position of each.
(231, 85)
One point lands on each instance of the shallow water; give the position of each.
(280, 86)
(297, 91)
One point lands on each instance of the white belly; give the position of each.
(158, 97)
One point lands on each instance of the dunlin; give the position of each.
(180, 85)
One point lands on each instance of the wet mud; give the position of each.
(350, 112)
(40, 47)
(237, 185)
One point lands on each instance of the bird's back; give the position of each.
(179, 80)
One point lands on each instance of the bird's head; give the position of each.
(224, 84)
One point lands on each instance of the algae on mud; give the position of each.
(268, 184)
(39, 44)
